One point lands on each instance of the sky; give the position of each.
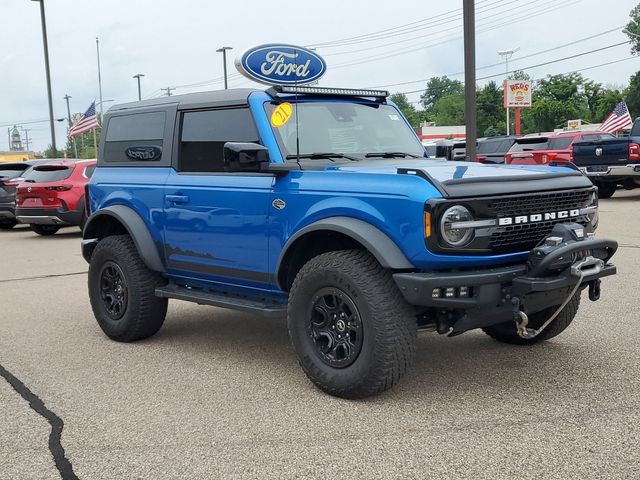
(174, 45)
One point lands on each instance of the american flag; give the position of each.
(618, 120)
(88, 121)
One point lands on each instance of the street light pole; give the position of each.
(470, 107)
(48, 73)
(137, 76)
(99, 77)
(507, 54)
(224, 62)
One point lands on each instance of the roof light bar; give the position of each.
(348, 92)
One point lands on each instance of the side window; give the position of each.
(137, 130)
(204, 133)
(88, 172)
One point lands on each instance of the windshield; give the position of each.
(10, 171)
(350, 129)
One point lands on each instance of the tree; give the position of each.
(51, 153)
(633, 30)
(489, 100)
(438, 88)
(606, 104)
(407, 109)
(594, 93)
(632, 95)
(450, 110)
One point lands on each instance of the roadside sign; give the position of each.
(517, 93)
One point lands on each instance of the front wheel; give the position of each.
(606, 189)
(506, 332)
(44, 230)
(122, 291)
(7, 224)
(352, 330)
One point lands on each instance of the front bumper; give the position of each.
(40, 216)
(492, 293)
(598, 171)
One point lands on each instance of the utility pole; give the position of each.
(26, 137)
(168, 90)
(470, 108)
(507, 54)
(48, 73)
(224, 62)
(138, 75)
(99, 77)
(75, 147)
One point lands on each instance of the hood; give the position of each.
(466, 179)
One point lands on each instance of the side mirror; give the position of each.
(244, 157)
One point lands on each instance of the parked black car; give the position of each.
(493, 149)
(11, 174)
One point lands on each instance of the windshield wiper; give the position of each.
(390, 155)
(322, 155)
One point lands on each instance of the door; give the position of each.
(216, 225)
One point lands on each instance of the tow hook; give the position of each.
(594, 290)
(522, 320)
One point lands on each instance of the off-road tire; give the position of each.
(144, 313)
(7, 224)
(44, 230)
(606, 189)
(506, 332)
(388, 323)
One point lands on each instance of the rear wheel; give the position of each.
(606, 189)
(352, 330)
(506, 332)
(7, 224)
(44, 230)
(122, 291)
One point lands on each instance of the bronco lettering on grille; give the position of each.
(538, 217)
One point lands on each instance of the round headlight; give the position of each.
(456, 237)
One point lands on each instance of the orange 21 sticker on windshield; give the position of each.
(281, 114)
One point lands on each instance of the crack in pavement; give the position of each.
(55, 446)
(43, 276)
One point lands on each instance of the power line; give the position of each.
(500, 64)
(399, 52)
(543, 64)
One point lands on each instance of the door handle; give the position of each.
(177, 199)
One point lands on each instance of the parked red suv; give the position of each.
(52, 196)
(541, 150)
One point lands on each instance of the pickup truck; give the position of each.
(319, 205)
(611, 162)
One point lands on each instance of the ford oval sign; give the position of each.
(144, 153)
(281, 64)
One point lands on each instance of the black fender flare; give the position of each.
(385, 250)
(135, 226)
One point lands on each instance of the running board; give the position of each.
(205, 297)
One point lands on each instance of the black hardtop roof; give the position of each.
(234, 96)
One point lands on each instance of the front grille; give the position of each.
(543, 202)
(517, 238)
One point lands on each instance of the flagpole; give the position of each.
(99, 77)
(95, 143)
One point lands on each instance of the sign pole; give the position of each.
(518, 121)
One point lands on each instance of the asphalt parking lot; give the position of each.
(219, 394)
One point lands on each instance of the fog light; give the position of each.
(450, 292)
(437, 293)
(463, 292)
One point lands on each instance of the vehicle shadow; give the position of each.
(70, 232)
(471, 364)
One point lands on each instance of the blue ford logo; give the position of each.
(281, 64)
(144, 153)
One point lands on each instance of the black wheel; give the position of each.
(352, 330)
(7, 224)
(122, 291)
(44, 230)
(506, 332)
(606, 189)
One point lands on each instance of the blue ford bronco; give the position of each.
(320, 205)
